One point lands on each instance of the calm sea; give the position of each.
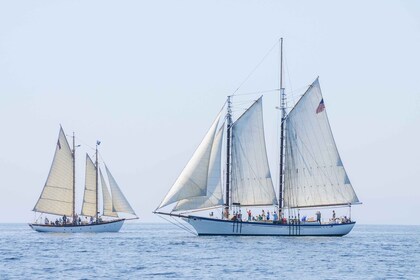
(159, 251)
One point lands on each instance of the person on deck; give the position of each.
(64, 219)
(333, 216)
(268, 215)
(46, 221)
(318, 217)
(249, 215)
(275, 217)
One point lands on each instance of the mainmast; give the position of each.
(97, 182)
(228, 148)
(283, 117)
(74, 178)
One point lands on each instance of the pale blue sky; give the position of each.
(148, 77)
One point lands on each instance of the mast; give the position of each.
(97, 181)
(74, 178)
(283, 117)
(228, 148)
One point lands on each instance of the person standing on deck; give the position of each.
(318, 216)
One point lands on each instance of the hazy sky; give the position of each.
(148, 77)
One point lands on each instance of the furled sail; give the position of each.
(251, 178)
(89, 197)
(119, 202)
(57, 195)
(314, 173)
(214, 194)
(107, 206)
(193, 179)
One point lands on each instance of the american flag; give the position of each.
(321, 106)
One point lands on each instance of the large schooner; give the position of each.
(312, 175)
(58, 196)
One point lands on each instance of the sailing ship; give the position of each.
(311, 174)
(58, 196)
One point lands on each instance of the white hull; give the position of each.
(207, 226)
(113, 226)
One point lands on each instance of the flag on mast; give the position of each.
(321, 106)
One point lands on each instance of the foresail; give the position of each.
(119, 202)
(57, 195)
(89, 197)
(251, 177)
(214, 194)
(314, 173)
(193, 179)
(107, 201)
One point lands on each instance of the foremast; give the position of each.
(74, 179)
(97, 182)
(228, 154)
(282, 129)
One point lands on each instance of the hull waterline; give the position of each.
(207, 226)
(113, 226)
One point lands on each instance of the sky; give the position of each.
(147, 78)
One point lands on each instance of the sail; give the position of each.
(193, 179)
(314, 173)
(119, 202)
(89, 198)
(251, 178)
(214, 194)
(57, 195)
(107, 205)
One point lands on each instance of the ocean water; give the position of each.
(163, 251)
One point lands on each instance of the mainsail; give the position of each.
(193, 180)
(119, 202)
(107, 205)
(89, 207)
(214, 194)
(57, 195)
(314, 173)
(251, 177)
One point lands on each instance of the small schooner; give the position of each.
(58, 196)
(312, 175)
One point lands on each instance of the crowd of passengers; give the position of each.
(77, 220)
(274, 217)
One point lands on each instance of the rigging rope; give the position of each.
(178, 224)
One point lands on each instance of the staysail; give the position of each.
(57, 195)
(119, 202)
(107, 205)
(314, 173)
(214, 194)
(193, 180)
(89, 197)
(251, 177)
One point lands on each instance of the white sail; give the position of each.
(57, 195)
(314, 173)
(107, 201)
(89, 197)
(119, 202)
(214, 194)
(251, 178)
(193, 179)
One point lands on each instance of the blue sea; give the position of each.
(163, 251)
